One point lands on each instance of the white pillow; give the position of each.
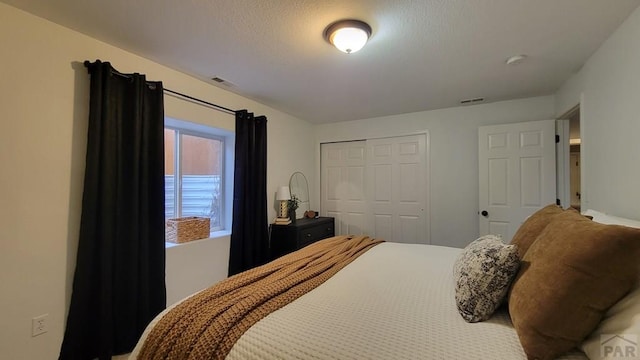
(623, 318)
(603, 218)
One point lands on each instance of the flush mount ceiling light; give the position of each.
(515, 60)
(348, 36)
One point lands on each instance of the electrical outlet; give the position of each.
(39, 325)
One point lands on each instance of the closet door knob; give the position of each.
(484, 213)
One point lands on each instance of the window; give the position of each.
(195, 183)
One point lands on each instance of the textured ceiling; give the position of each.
(422, 55)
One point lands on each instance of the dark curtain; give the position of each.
(249, 232)
(118, 285)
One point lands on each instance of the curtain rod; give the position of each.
(218, 107)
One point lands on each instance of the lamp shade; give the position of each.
(283, 193)
(348, 36)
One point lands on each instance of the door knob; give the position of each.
(484, 213)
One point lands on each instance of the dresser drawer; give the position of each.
(312, 234)
(287, 238)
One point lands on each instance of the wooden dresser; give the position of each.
(288, 238)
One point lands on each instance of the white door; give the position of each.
(517, 174)
(396, 169)
(377, 187)
(342, 181)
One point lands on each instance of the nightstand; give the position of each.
(288, 238)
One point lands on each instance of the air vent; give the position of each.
(222, 81)
(471, 101)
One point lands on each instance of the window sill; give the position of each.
(213, 236)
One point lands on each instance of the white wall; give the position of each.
(195, 265)
(453, 139)
(43, 125)
(609, 85)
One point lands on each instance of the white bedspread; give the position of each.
(394, 302)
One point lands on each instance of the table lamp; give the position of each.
(283, 195)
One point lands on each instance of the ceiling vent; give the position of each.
(221, 81)
(472, 101)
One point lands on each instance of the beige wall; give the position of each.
(43, 124)
(608, 88)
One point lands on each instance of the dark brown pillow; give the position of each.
(533, 226)
(572, 274)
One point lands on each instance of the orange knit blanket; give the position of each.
(207, 325)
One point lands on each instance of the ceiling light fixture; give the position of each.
(515, 60)
(348, 36)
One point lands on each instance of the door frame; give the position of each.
(563, 179)
(566, 181)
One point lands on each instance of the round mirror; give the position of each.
(300, 188)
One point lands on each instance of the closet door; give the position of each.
(342, 181)
(377, 187)
(397, 176)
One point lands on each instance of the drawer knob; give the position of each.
(308, 235)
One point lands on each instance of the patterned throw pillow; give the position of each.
(483, 272)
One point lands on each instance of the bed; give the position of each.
(393, 301)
